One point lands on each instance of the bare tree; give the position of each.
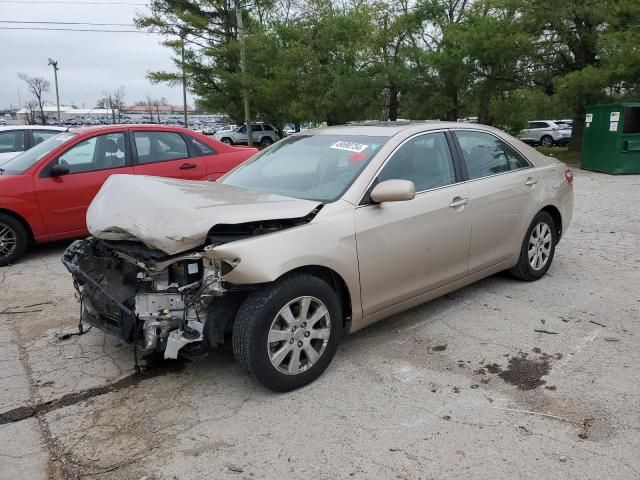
(113, 101)
(149, 104)
(155, 104)
(31, 107)
(38, 86)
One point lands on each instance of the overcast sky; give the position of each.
(89, 62)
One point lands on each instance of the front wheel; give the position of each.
(227, 140)
(286, 334)
(537, 249)
(13, 239)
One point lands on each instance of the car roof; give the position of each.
(32, 127)
(120, 126)
(389, 129)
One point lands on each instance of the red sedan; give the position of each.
(45, 191)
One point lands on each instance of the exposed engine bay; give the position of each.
(160, 302)
(142, 297)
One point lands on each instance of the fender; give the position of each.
(265, 258)
(28, 211)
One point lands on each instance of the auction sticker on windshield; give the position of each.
(349, 146)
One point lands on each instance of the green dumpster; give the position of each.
(611, 139)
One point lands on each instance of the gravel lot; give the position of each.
(462, 387)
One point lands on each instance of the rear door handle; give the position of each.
(531, 181)
(458, 202)
(187, 166)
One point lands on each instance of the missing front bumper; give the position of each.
(157, 305)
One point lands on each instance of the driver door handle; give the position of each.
(458, 202)
(187, 166)
(531, 181)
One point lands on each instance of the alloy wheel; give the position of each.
(298, 335)
(8, 240)
(540, 246)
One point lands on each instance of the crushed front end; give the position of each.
(159, 302)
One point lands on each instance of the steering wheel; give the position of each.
(62, 161)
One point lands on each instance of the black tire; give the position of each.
(265, 142)
(523, 269)
(254, 320)
(546, 141)
(227, 140)
(12, 230)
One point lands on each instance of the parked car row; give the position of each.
(45, 191)
(315, 237)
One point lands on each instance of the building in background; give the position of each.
(161, 109)
(66, 114)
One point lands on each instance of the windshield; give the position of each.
(312, 167)
(22, 162)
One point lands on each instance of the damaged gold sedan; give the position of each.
(317, 236)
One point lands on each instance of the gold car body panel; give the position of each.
(384, 266)
(327, 241)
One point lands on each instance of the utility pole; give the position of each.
(54, 64)
(184, 86)
(243, 69)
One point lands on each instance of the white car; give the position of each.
(16, 139)
(546, 133)
(263, 134)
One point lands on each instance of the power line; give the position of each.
(75, 29)
(71, 23)
(73, 3)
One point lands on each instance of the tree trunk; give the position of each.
(452, 113)
(393, 103)
(575, 144)
(483, 111)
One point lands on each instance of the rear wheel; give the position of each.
(286, 334)
(13, 239)
(537, 250)
(546, 141)
(265, 142)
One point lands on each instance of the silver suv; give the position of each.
(546, 133)
(263, 134)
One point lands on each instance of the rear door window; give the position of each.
(12, 141)
(159, 146)
(201, 148)
(42, 135)
(486, 155)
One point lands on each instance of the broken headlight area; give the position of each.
(158, 302)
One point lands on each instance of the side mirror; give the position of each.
(58, 170)
(393, 191)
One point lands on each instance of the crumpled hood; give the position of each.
(176, 215)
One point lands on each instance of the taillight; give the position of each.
(568, 174)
